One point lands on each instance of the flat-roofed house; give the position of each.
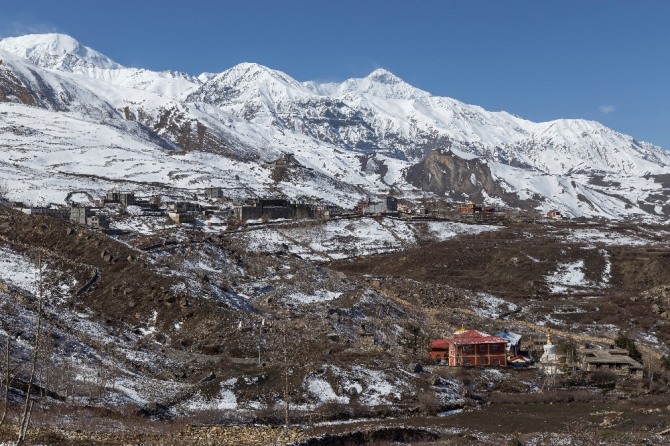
(615, 360)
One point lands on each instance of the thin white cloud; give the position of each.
(13, 28)
(607, 108)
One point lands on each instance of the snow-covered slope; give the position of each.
(360, 133)
(63, 53)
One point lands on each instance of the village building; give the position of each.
(513, 341)
(470, 348)
(553, 213)
(124, 198)
(388, 206)
(264, 208)
(472, 208)
(52, 211)
(421, 211)
(213, 193)
(275, 208)
(468, 208)
(183, 211)
(85, 216)
(614, 360)
(182, 217)
(183, 206)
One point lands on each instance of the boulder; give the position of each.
(415, 367)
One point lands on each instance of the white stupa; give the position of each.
(549, 359)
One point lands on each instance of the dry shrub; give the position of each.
(582, 434)
(603, 379)
(270, 414)
(429, 403)
(511, 386)
(551, 396)
(659, 400)
(333, 410)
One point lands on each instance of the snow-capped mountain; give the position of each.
(63, 53)
(58, 52)
(360, 134)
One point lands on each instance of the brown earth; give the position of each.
(129, 280)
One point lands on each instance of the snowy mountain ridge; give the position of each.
(364, 132)
(58, 52)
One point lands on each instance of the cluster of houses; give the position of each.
(95, 218)
(257, 209)
(368, 206)
(181, 212)
(470, 207)
(474, 348)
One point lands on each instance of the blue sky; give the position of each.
(593, 59)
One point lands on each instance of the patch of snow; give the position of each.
(321, 389)
(19, 271)
(317, 296)
(607, 270)
(225, 400)
(567, 276)
(492, 307)
(448, 413)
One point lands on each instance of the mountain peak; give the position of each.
(384, 76)
(381, 83)
(253, 72)
(56, 51)
(247, 80)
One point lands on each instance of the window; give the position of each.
(466, 361)
(467, 349)
(495, 361)
(484, 360)
(495, 347)
(482, 348)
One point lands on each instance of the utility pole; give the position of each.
(260, 335)
(286, 405)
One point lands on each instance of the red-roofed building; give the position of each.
(470, 348)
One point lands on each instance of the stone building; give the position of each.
(84, 215)
(615, 360)
(59, 212)
(183, 211)
(213, 192)
(125, 198)
(273, 209)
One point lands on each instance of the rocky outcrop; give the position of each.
(12, 89)
(449, 175)
(659, 300)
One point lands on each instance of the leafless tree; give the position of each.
(24, 421)
(287, 351)
(5, 397)
(104, 376)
